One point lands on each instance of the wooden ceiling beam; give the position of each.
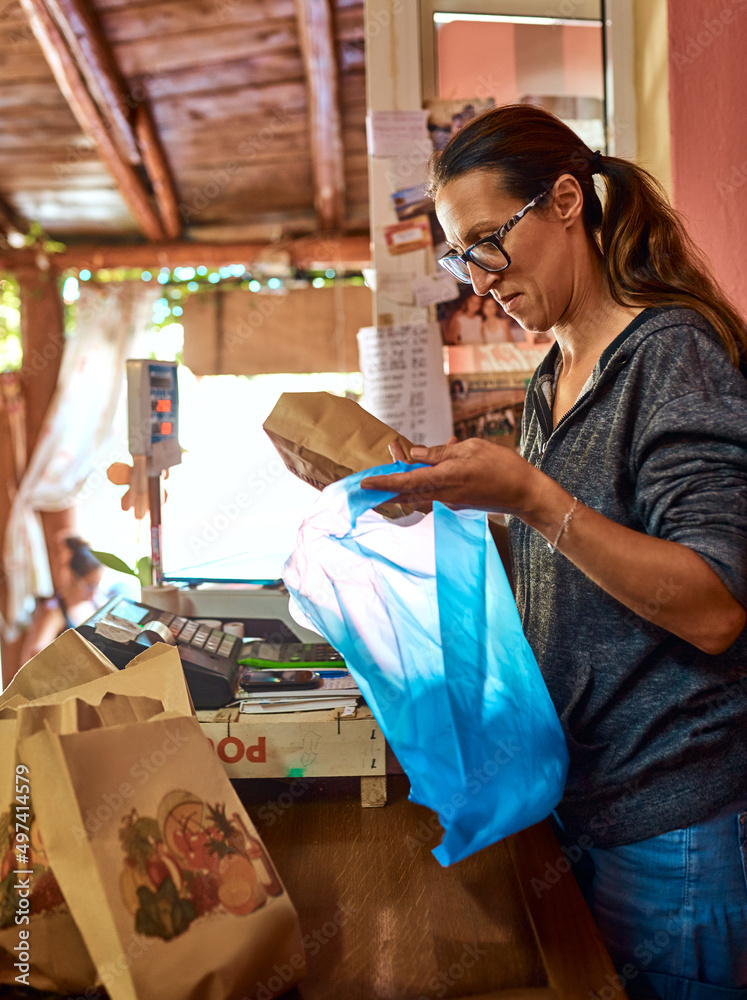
(317, 40)
(313, 252)
(131, 120)
(158, 170)
(98, 123)
(10, 220)
(98, 67)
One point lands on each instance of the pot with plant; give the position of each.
(165, 597)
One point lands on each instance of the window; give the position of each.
(559, 54)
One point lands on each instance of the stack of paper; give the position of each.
(335, 692)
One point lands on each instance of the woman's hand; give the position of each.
(472, 473)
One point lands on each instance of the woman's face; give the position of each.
(83, 588)
(472, 305)
(537, 286)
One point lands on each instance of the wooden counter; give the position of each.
(384, 921)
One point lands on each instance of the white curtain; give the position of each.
(111, 322)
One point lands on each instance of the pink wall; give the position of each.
(707, 84)
(506, 61)
(582, 59)
(477, 60)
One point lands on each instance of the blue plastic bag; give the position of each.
(425, 618)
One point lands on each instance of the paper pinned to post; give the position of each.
(434, 288)
(404, 382)
(397, 133)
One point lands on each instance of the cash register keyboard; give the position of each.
(192, 633)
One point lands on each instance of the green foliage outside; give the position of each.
(10, 324)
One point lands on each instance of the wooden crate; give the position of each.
(301, 745)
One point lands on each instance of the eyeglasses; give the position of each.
(487, 253)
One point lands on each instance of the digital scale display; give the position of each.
(153, 411)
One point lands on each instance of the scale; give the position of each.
(153, 425)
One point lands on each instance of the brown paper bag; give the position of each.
(322, 438)
(68, 661)
(155, 673)
(79, 689)
(163, 871)
(40, 944)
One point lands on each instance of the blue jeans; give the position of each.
(673, 910)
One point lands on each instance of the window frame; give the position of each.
(616, 17)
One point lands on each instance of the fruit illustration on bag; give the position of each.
(24, 864)
(190, 861)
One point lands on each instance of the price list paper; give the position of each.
(403, 380)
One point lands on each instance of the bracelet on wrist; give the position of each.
(552, 546)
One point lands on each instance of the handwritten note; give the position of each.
(403, 380)
(434, 288)
(396, 133)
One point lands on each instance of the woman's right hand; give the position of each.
(472, 473)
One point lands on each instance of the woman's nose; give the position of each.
(482, 281)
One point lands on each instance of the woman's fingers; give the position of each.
(415, 485)
(397, 452)
(431, 456)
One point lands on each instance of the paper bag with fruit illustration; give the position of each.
(40, 944)
(32, 907)
(163, 871)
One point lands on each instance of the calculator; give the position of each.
(261, 654)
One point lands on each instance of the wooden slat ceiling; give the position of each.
(234, 96)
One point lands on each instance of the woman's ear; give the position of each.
(568, 199)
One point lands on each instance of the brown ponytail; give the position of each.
(648, 256)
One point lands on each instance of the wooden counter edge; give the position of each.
(574, 974)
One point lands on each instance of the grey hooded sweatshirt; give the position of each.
(657, 441)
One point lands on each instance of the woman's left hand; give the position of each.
(472, 473)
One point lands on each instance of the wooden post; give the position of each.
(393, 84)
(12, 459)
(42, 334)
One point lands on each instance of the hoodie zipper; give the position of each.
(547, 431)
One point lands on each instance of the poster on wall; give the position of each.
(447, 117)
(480, 319)
(482, 406)
(415, 202)
(490, 359)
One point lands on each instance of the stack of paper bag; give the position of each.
(127, 859)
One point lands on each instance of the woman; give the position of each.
(73, 602)
(628, 529)
(496, 329)
(465, 326)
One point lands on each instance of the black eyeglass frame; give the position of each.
(494, 239)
